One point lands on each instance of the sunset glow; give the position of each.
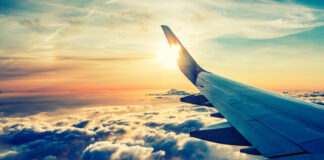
(168, 56)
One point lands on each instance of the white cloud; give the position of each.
(117, 132)
(210, 19)
(107, 150)
(8, 155)
(136, 21)
(114, 132)
(45, 44)
(110, 1)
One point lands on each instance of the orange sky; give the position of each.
(120, 46)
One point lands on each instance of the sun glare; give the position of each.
(168, 56)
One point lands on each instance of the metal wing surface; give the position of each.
(273, 125)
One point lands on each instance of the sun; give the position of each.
(168, 55)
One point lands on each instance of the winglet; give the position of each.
(186, 63)
(171, 38)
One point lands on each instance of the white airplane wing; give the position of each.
(269, 124)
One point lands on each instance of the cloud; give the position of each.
(28, 105)
(11, 72)
(104, 59)
(22, 67)
(71, 58)
(172, 92)
(115, 132)
(184, 127)
(110, 1)
(127, 19)
(201, 109)
(82, 124)
(319, 103)
(33, 24)
(30, 143)
(44, 43)
(8, 155)
(315, 97)
(107, 150)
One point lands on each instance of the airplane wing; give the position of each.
(269, 124)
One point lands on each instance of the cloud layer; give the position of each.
(113, 132)
(157, 131)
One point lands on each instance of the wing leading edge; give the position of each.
(269, 124)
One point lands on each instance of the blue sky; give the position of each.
(311, 3)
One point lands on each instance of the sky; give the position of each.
(94, 45)
(80, 59)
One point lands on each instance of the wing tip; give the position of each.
(186, 63)
(167, 31)
(165, 26)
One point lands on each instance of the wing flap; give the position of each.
(217, 115)
(250, 150)
(223, 133)
(197, 99)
